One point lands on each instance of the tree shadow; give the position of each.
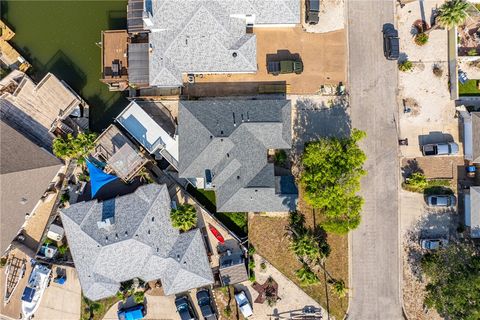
(441, 224)
(103, 113)
(315, 120)
(411, 167)
(117, 19)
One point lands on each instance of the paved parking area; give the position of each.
(62, 301)
(292, 298)
(158, 308)
(323, 56)
(432, 115)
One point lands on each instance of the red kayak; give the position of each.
(216, 233)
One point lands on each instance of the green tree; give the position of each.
(62, 250)
(339, 288)
(453, 275)
(139, 297)
(72, 147)
(306, 275)
(452, 13)
(184, 217)
(331, 173)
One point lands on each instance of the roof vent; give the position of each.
(221, 132)
(126, 233)
(23, 201)
(238, 177)
(153, 219)
(234, 54)
(178, 257)
(116, 235)
(228, 155)
(148, 231)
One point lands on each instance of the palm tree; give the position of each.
(451, 14)
(306, 275)
(306, 246)
(184, 217)
(339, 288)
(72, 147)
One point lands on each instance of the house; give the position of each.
(149, 132)
(40, 110)
(130, 237)
(223, 146)
(25, 174)
(197, 37)
(472, 211)
(232, 268)
(471, 135)
(119, 155)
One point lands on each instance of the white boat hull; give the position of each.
(32, 295)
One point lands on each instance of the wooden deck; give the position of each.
(9, 55)
(114, 56)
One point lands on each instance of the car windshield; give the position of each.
(203, 301)
(434, 200)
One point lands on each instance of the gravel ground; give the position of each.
(330, 18)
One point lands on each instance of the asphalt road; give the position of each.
(375, 262)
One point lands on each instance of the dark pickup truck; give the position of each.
(285, 66)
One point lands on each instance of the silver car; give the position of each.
(433, 244)
(444, 201)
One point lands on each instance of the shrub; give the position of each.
(280, 157)
(421, 39)
(62, 250)
(184, 217)
(3, 262)
(251, 250)
(405, 66)
(472, 52)
(139, 297)
(306, 276)
(251, 264)
(263, 266)
(417, 182)
(64, 197)
(227, 311)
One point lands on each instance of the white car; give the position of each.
(433, 244)
(244, 304)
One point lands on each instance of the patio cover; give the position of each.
(98, 178)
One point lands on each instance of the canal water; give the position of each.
(61, 37)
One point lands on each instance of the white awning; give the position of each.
(146, 131)
(468, 138)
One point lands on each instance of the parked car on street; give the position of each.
(133, 313)
(446, 201)
(285, 66)
(184, 308)
(440, 149)
(433, 244)
(205, 303)
(243, 304)
(312, 10)
(391, 42)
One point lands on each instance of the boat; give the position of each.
(32, 295)
(14, 271)
(216, 233)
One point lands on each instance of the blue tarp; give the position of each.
(98, 178)
(134, 314)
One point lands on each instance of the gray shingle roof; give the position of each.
(25, 173)
(208, 36)
(140, 242)
(231, 138)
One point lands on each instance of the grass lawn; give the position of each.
(235, 221)
(267, 234)
(205, 197)
(104, 306)
(469, 88)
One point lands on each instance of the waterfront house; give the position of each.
(40, 111)
(129, 237)
(223, 146)
(26, 172)
(205, 37)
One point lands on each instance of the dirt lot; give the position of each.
(267, 234)
(323, 56)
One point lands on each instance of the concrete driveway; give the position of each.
(292, 298)
(61, 302)
(158, 307)
(323, 56)
(375, 263)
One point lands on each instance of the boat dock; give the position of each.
(8, 55)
